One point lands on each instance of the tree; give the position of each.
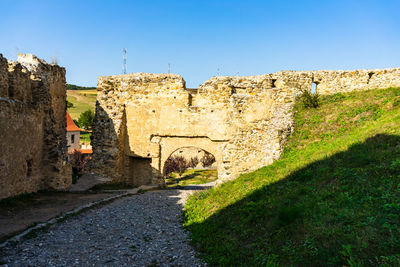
(176, 164)
(69, 104)
(193, 162)
(207, 160)
(86, 119)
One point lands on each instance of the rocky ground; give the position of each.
(140, 230)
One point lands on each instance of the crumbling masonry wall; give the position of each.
(32, 126)
(243, 121)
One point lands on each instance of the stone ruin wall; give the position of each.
(32, 126)
(141, 119)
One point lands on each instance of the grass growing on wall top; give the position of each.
(332, 199)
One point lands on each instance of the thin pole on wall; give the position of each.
(124, 64)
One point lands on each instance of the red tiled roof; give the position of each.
(85, 151)
(71, 126)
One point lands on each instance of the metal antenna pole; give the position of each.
(124, 57)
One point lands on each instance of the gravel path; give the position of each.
(140, 230)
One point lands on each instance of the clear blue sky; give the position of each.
(199, 37)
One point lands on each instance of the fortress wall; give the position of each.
(339, 81)
(259, 119)
(243, 121)
(150, 116)
(32, 126)
(117, 96)
(21, 145)
(3, 77)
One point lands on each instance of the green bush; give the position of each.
(308, 99)
(86, 119)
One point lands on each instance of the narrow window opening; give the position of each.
(190, 100)
(72, 138)
(370, 74)
(273, 81)
(28, 168)
(314, 88)
(10, 91)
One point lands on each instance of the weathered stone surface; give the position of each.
(32, 126)
(141, 119)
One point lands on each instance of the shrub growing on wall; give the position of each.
(308, 99)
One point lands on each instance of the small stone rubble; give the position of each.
(139, 230)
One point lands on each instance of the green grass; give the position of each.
(333, 198)
(82, 101)
(192, 177)
(85, 137)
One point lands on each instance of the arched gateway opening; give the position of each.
(190, 165)
(141, 119)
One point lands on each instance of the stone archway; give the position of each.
(168, 145)
(197, 173)
(142, 118)
(188, 153)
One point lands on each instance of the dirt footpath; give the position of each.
(19, 213)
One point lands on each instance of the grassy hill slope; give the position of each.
(332, 199)
(82, 101)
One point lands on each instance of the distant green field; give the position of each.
(77, 87)
(82, 101)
